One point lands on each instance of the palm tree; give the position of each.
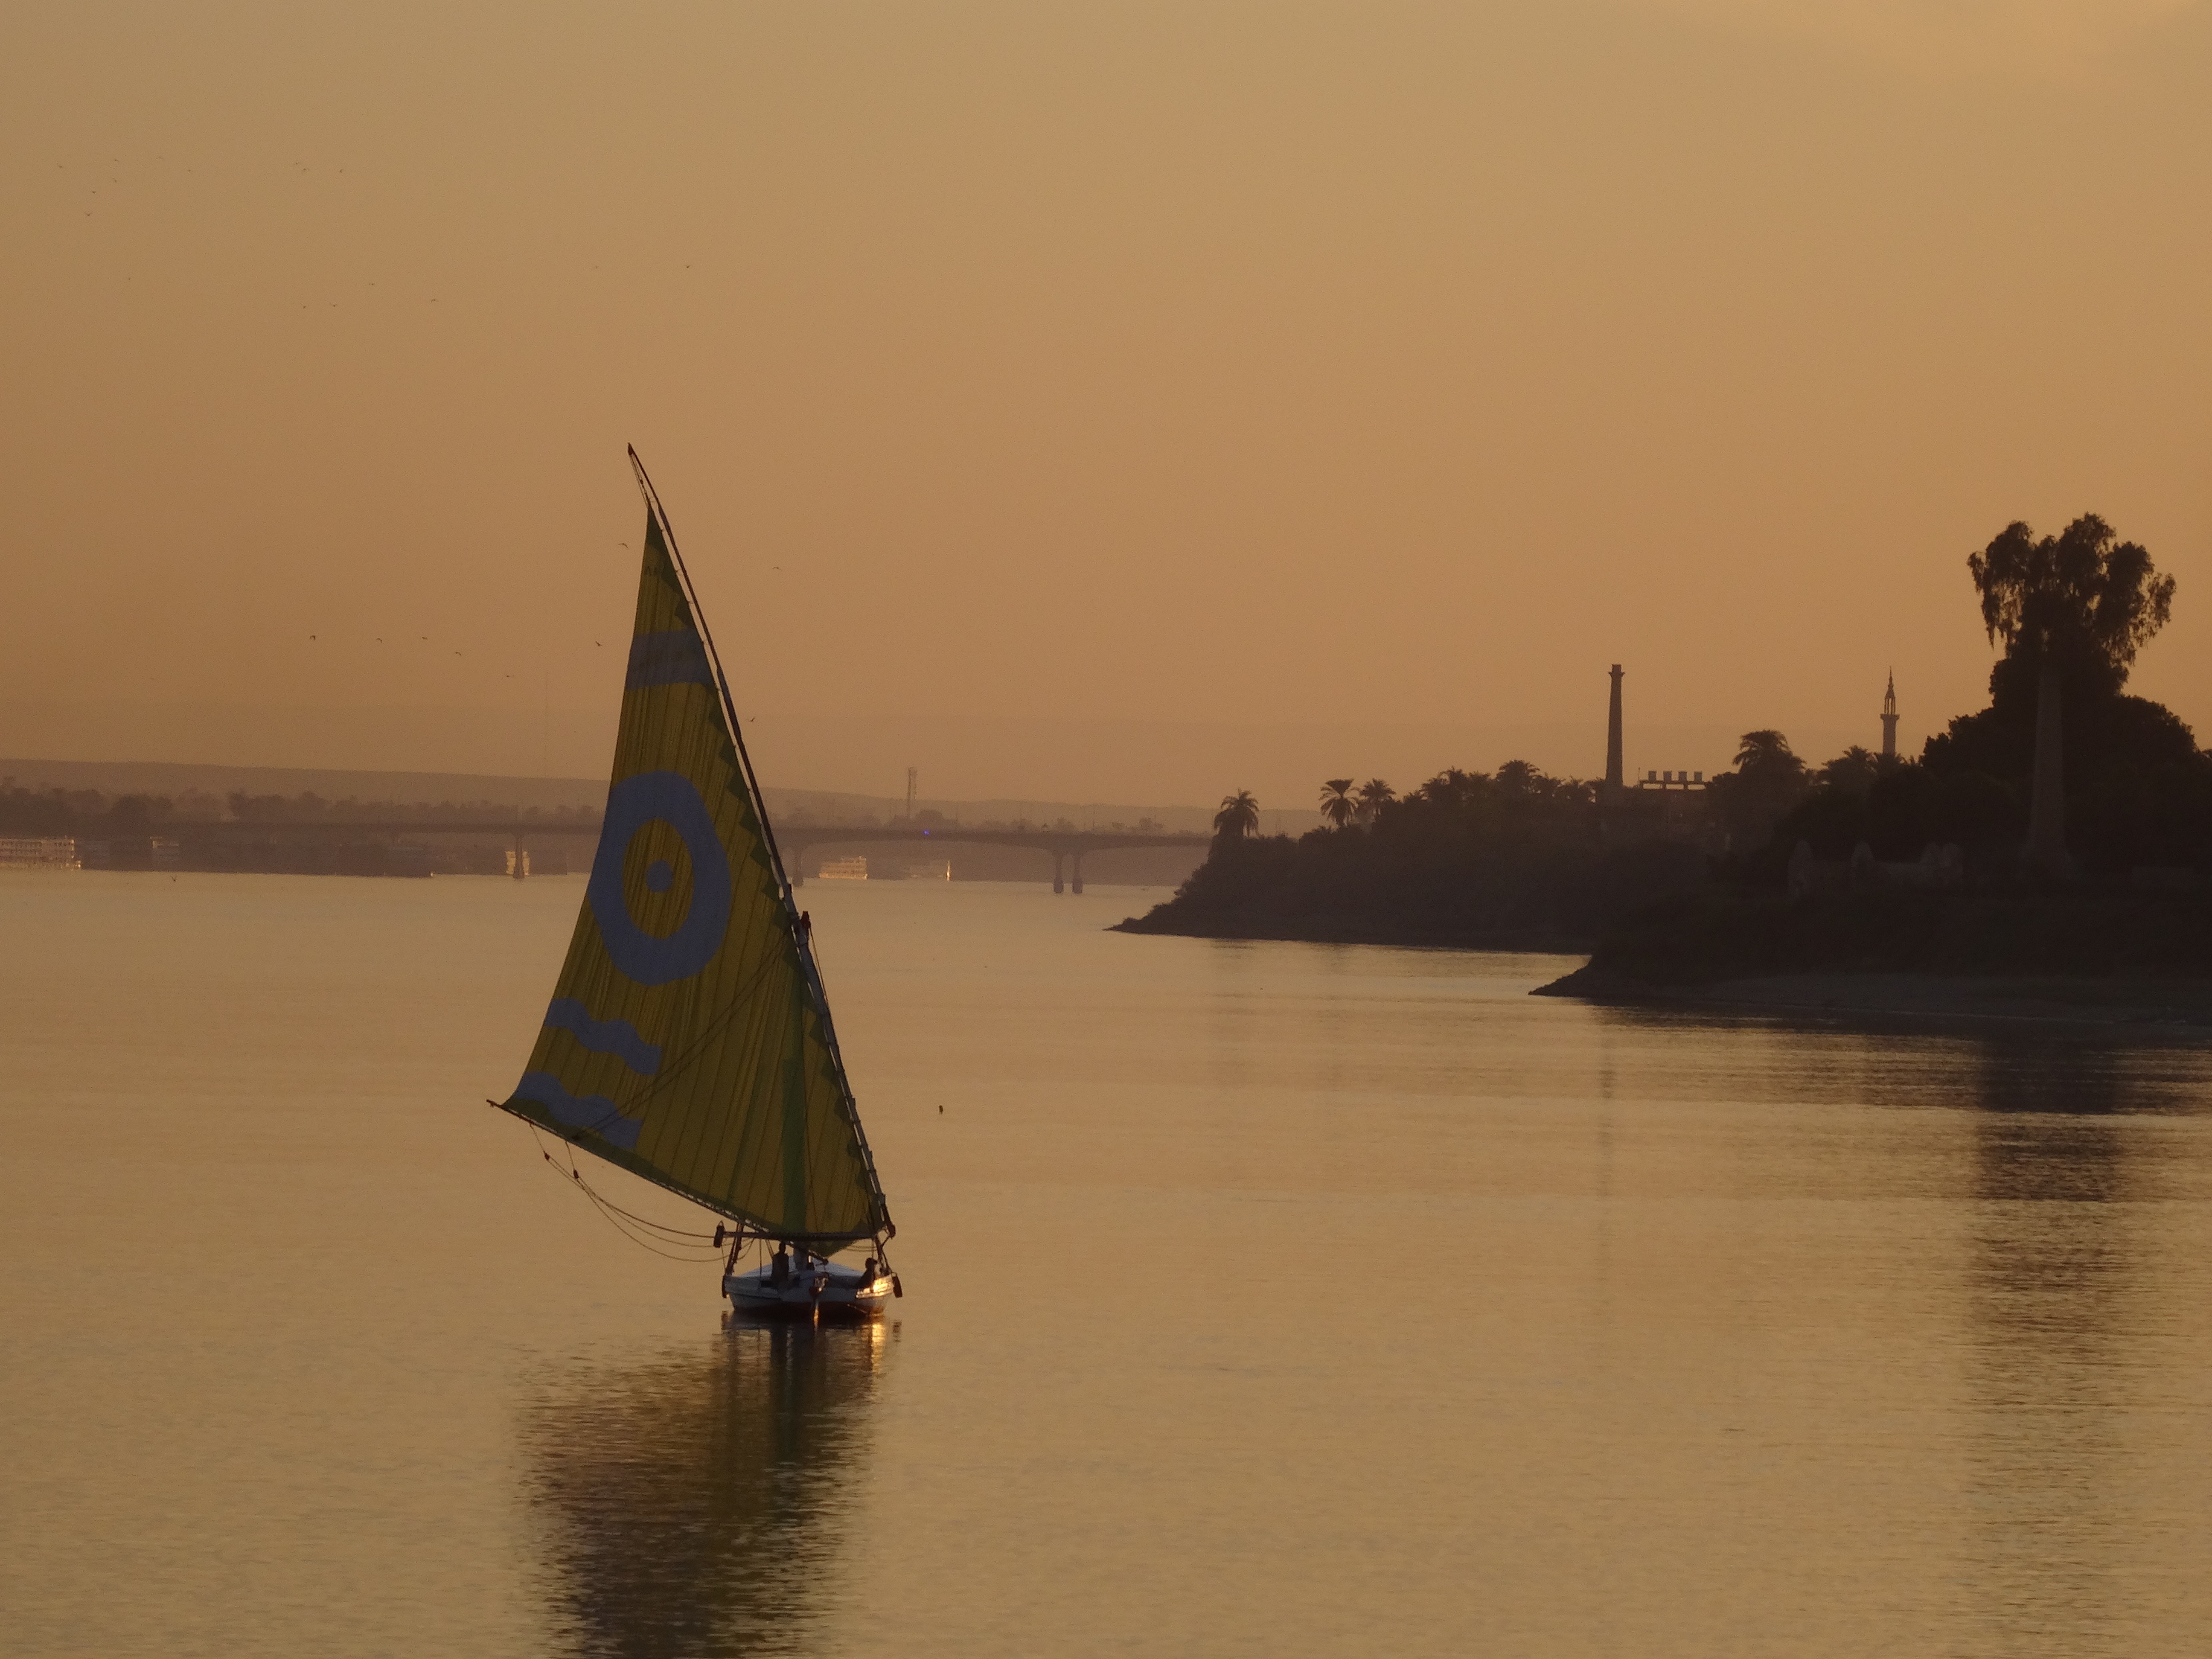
(1374, 796)
(1337, 805)
(1853, 771)
(1767, 754)
(1239, 817)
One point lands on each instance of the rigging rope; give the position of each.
(612, 1211)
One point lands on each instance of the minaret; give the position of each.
(1612, 741)
(1889, 718)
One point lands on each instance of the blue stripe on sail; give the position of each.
(672, 657)
(617, 1037)
(593, 1112)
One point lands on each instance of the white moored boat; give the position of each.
(688, 1039)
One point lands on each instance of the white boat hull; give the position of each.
(819, 1292)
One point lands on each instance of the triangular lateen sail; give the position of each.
(686, 1039)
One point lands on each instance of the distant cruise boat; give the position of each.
(688, 1039)
(852, 869)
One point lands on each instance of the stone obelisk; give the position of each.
(2046, 852)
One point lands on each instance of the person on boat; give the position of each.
(779, 1272)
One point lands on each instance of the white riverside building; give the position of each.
(38, 852)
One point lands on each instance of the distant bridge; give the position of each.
(1068, 847)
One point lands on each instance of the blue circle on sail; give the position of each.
(660, 875)
(667, 797)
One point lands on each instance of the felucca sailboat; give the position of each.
(688, 1039)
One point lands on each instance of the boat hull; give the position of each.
(817, 1295)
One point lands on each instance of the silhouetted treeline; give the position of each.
(1920, 867)
(89, 813)
(2138, 791)
(299, 834)
(1517, 861)
(2071, 611)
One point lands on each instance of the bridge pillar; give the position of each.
(1056, 886)
(1078, 862)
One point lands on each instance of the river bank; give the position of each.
(1424, 877)
(1419, 933)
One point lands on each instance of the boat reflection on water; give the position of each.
(697, 1501)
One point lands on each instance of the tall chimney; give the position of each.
(1612, 779)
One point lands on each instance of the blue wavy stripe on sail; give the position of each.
(617, 1037)
(593, 1112)
(671, 657)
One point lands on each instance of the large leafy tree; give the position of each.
(1337, 805)
(1239, 815)
(2083, 600)
(2081, 605)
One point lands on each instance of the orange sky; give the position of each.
(1131, 401)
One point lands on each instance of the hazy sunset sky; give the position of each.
(1116, 401)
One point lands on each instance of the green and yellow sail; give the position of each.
(688, 1039)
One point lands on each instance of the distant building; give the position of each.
(38, 852)
(1889, 718)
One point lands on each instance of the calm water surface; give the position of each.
(1260, 1299)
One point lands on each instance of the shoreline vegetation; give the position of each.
(1517, 861)
(2048, 858)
